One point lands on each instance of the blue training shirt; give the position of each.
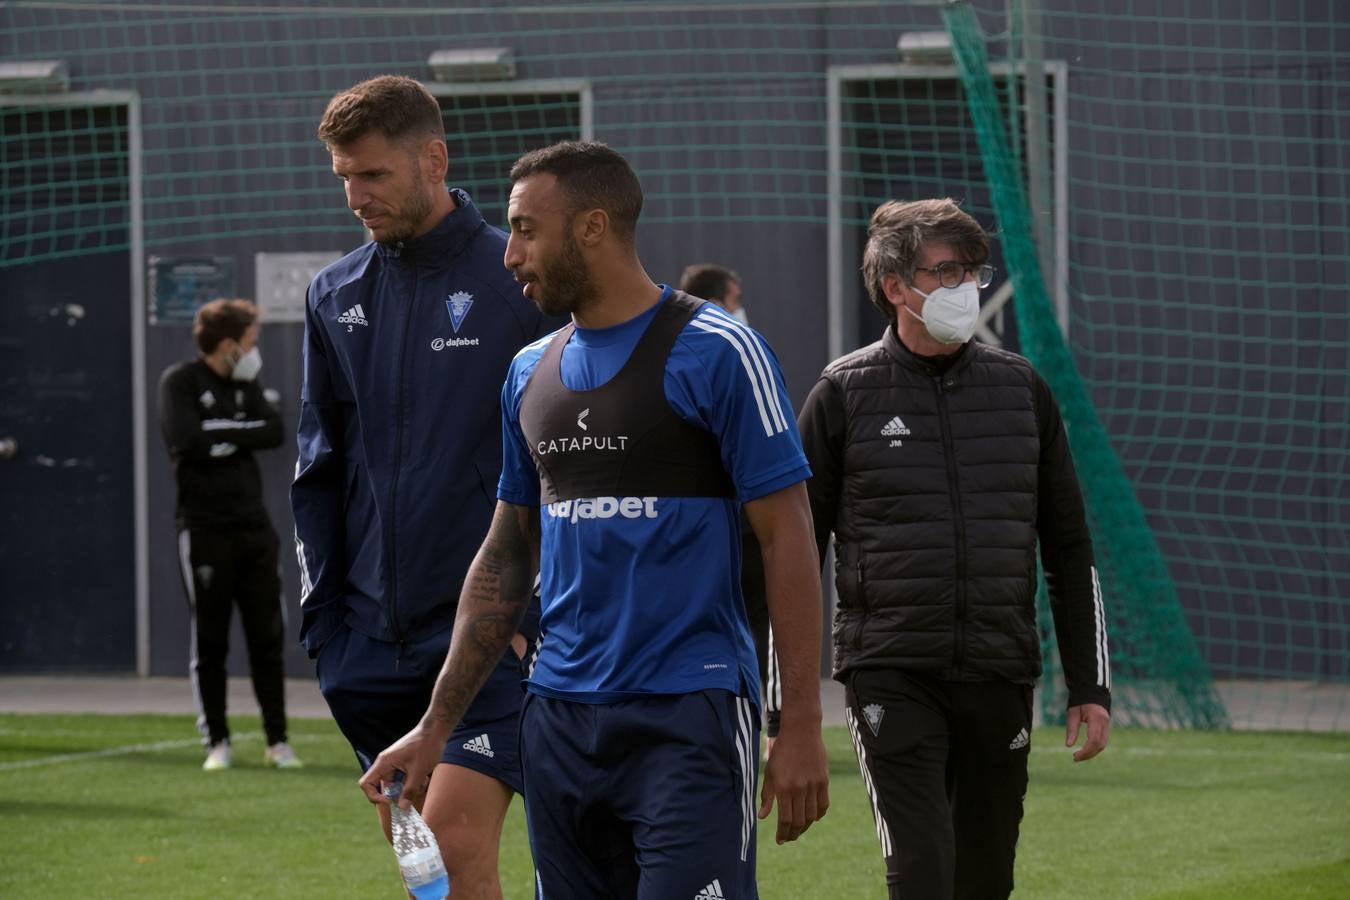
(642, 595)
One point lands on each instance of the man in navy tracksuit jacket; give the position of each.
(407, 342)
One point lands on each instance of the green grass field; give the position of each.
(117, 806)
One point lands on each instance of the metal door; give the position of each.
(67, 487)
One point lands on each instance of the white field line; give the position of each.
(1113, 750)
(131, 749)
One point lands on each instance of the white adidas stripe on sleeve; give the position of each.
(306, 583)
(232, 424)
(1099, 622)
(754, 361)
(758, 354)
(773, 683)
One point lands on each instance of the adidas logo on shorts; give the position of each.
(712, 892)
(480, 744)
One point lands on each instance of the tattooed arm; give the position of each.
(491, 605)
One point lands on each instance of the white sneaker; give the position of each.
(281, 756)
(218, 757)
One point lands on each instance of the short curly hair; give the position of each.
(221, 319)
(591, 176)
(392, 105)
(707, 281)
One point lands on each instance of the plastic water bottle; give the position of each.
(419, 856)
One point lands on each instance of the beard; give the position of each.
(405, 224)
(569, 286)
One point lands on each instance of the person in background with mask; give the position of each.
(717, 285)
(214, 415)
(723, 286)
(939, 464)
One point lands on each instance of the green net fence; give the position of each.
(1166, 184)
(1156, 659)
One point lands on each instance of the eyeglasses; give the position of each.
(950, 273)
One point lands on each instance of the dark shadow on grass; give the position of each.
(352, 772)
(839, 766)
(242, 763)
(843, 767)
(1068, 778)
(28, 751)
(1315, 881)
(56, 809)
(178, 759)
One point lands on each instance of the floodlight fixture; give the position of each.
(925, 47)
(473, 64)
(34, 76)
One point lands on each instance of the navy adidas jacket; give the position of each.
(406, 348)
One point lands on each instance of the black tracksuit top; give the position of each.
(211, 427)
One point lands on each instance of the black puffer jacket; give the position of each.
(937, 478)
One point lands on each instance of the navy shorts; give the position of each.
(378, 692)
(649, 798)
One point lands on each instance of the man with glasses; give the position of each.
(939, 464)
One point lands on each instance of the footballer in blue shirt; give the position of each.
(632, 438)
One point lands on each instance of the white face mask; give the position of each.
(246, 367)
(739, 315)
(950, 314)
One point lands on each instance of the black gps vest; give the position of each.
(621, 439)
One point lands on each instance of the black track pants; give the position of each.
(945, 766)
(222, 567)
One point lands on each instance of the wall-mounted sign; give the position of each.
(283, 278)
(178, 285)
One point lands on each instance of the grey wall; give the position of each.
(731, 146)
(228, 123)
